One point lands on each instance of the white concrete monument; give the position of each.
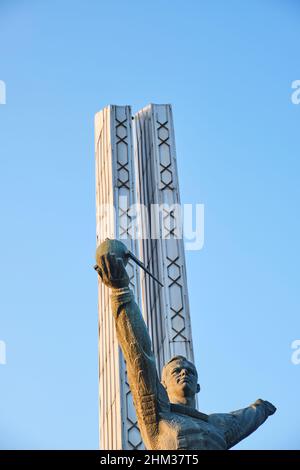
(146, 176)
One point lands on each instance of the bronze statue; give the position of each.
(166, 411)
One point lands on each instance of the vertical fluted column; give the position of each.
(162, 246)
(115, 194)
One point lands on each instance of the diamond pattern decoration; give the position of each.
(165, 156)
(174, 272)
(123, 177)
(121, 130)
(134, 438)
(178, 325)
(176, 299)
(163, 133)
(130, 408)
(166, 176)
(169, 223)
(130, 271)
(122, 154)
(124, 223)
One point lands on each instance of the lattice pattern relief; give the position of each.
(176, 299)
(125, 181)
(134, 437)
(157, 156)
(122, 150)
(163, 135)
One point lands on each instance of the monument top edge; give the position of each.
(148, 106)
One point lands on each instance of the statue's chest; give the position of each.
(192, 433)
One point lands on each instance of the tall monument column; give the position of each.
(122, 180)
(166, 309)
(115, 193)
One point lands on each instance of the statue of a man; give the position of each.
(166, 411)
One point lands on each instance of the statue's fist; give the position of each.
(269, 406)
(112, 271)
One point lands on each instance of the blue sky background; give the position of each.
(227, 69)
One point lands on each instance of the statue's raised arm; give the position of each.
(149, 396)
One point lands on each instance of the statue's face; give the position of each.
(181, 380)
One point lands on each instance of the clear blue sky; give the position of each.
(227, 69)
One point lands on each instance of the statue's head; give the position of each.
(180, 379)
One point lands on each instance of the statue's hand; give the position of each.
(112, 271)
(269, 406)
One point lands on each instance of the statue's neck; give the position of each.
(184, 401)
(187, 410)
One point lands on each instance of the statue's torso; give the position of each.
(182, 432)
(192, 433)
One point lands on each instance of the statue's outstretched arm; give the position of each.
(243, 422)
(147, 391)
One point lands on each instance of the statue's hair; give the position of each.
(164, 371)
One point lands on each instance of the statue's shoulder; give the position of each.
(221, 420)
